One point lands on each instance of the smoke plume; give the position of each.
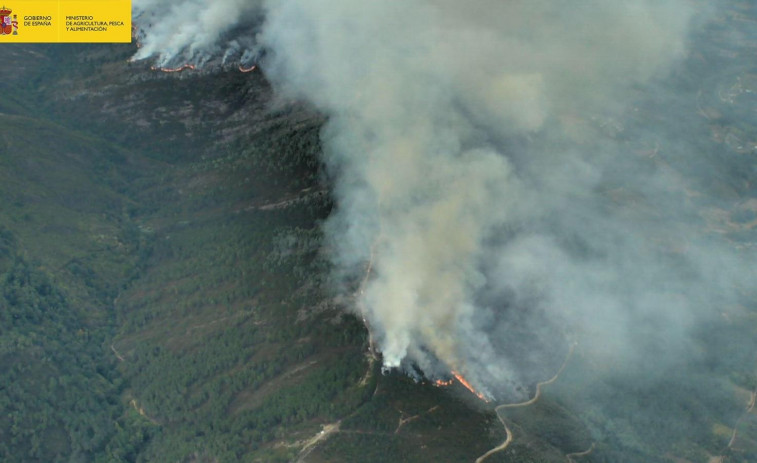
(518, 175)
(195, 31)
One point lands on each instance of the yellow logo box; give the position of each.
(73, 21)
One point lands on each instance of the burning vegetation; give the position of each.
(466, 384)
(183, 67)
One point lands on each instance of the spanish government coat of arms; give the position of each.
(8, 25)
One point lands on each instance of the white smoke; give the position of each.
(192, 30)
(422, 97)
(479, 169)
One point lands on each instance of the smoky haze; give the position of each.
(195, 31)
(520, 176)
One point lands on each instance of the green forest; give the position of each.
(165, 292)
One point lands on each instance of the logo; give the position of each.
(8, 24)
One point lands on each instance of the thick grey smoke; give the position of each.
(519, 175)
(193, 30)
(425, 101)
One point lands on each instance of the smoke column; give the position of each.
(520, 174)
(449, 138)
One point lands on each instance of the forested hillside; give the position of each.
(165, 293)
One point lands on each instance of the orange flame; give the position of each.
(249, 69)
(468, 386)
(135, 35)
(191, 67)
(442, 383)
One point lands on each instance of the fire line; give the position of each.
(468, 386)
(191, 67)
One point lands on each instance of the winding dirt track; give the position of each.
(118, 354)
(403, 421)
(501, 446)
(531, 401)
(749, 408)
(141, 411)
(311, 443)
(571, 456)
(361, 306)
